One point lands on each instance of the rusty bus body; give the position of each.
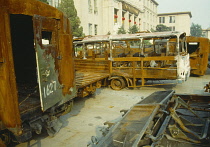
(198, 48)
(37, 75)
(136, 59)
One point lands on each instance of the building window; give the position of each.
(115, 15)
(171, 19)
(204, 34)
(96, 29)
(130, 20)
(95, 7)
(135, 19)
(90, 6)
(150, 16)
(161, 19)
(90, 29)
(123, 18)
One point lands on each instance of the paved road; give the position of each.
(89, 114)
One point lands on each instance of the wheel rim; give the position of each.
(117, 84)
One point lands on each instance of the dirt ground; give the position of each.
(89, 114)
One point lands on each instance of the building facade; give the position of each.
(178, 21)
(100, 17)
(206, 33)
(54, 3)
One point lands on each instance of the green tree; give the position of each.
(44, 1)
(196, 30)
(121, 30)
(162, 28)
(134, 29)
(68, 8)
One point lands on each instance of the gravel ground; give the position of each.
(90, 113)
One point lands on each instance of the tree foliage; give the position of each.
(44, 1)
(68, 8)
(134, 29)
(196, 30)
(121, 30)
(162, 28)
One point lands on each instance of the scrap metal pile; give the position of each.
(162, 119)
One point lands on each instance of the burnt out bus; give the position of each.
(37, 76)
(135, 60)
(198, 48)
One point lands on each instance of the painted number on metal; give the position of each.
(49, 89)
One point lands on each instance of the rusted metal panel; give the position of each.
(85, 78)
(101, 66)
(55, 66)
(87, 82)
(31, 7)
(49, 59)
(198, 48)
(66, 63)
(9, 111)
(2, 144)
(90, 74)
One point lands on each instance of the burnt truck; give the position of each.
(163, 119)
(37, 73)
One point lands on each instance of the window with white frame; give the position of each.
(90, 28)
(90, 6)
(96, 29)
(95, 7)
(171, 19)
(115, 15)
(161, 19)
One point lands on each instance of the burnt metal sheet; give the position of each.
(50, 87)
(9, 111)
(86, 78)
(198, 48)
(180, 120)
(59, 70)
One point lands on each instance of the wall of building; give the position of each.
(206, 33)
(182, 21)
(113, 14)
(100, 17)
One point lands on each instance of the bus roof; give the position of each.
(106, 38)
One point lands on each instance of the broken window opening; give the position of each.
(46, 37)
(192, 46)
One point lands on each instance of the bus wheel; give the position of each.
(117, 83)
